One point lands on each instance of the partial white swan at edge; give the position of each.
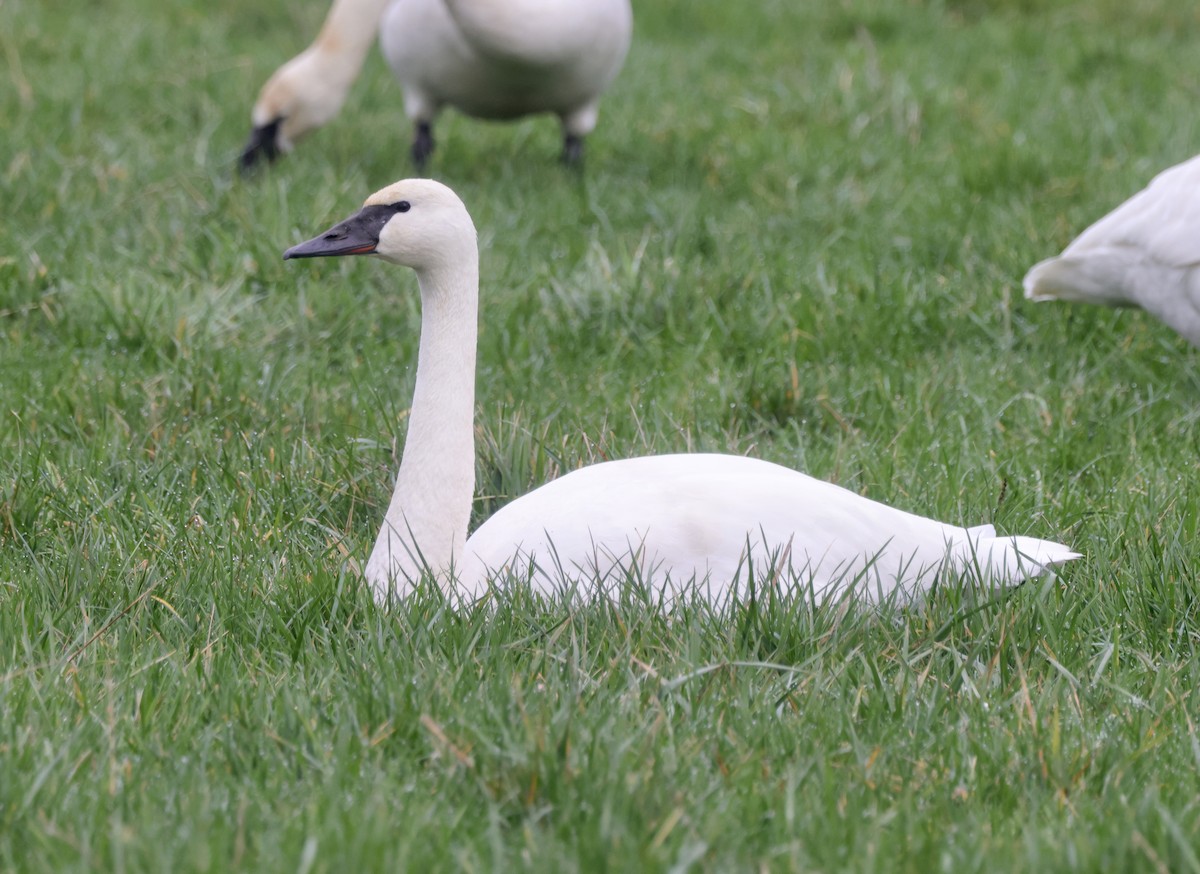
(670, 519)
(1145, 253)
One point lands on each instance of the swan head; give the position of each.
(302, 95)
(417, 223)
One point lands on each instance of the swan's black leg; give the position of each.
(572, 153)
(422, 146)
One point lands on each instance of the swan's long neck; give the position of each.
(426, 525)
(347, 35)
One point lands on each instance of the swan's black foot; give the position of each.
(422, 146)
(572, 153)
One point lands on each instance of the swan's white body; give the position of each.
(492, 59)
(502, 60)
(1145, 253)
(706, 524)
(712, 524)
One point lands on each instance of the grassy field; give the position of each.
(800, 235)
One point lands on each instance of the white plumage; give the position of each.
(1145, 253)
(491, 59)
(724, 520)
(696, 523)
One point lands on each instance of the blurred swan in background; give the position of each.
(491, 59)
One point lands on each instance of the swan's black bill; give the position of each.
(357, 235)
(263, 143)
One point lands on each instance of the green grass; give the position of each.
(800, 235)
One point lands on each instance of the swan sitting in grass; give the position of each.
(679, 523)
(491, 59)
(1145, 253)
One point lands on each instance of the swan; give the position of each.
(700, 522)
(1145, 253)
(491, 59)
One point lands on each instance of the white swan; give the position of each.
(1145, 253)
(492, 59)
(670, 519)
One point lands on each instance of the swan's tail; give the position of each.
(1093, 278)
(1013, 559)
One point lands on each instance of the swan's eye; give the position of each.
(402, 206)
